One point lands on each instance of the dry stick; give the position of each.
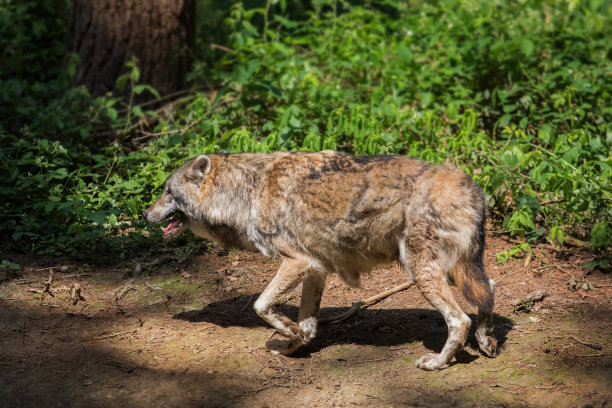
(546, 202)
(247, 303)
(123, 292)
(166, 97)
(564, 271)
(591, 345)
(221, 47)
(169, 132)
(505, 276)
(76, 275)
(362, 304)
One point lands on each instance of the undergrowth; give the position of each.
(516, 94)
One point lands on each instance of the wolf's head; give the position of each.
(179, 201)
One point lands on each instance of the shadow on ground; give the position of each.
(52, 360)
(373, 327)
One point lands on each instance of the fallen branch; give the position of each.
(591, 345)
(76, 275)
(363, 304)
(123, 292)
(527, 302)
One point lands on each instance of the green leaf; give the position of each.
(527, 46)
(137, 111)
(426, 99)
(405, 53)
(504, 120)
(111, 113)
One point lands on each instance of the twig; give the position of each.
(126, 369)
(590, 355)
(546, 202)
(61, 268)
(165, 97)
(591, 345)
(221, 48)
(186, 128)
(151, 288)
(543, 267)
(368, 361)
(110, 336)
(505, 276)
(400, 347)
(362, 304)
(244, 394)
(563, 270)
(76, 275)
(123, 292)
(247, 304)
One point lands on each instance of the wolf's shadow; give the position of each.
(374, 327)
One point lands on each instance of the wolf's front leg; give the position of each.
(312, 291)
(291, 272)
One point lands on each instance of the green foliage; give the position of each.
(32, 35)
(503, 257)
(516, 94)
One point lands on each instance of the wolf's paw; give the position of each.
(487, 344)
(283, 346)
(430, 362)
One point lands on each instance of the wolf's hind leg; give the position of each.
(312, 290)
(289, 275)
(429, 278)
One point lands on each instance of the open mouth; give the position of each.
(175, 226)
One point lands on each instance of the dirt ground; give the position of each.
(178, 330)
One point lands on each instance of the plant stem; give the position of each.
(265, 33)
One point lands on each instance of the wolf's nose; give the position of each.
(144, 215)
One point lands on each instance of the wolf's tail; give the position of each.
(474, 284)
(469, 275)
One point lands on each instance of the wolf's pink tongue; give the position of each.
(168, 229)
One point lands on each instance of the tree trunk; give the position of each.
(106, 34)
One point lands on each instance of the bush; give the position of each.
(515, 94)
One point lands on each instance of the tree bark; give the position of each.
(106, 34)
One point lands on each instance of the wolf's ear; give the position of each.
(199, 169)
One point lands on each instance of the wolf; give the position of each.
(328, 212)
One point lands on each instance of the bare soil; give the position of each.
(179, 331)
